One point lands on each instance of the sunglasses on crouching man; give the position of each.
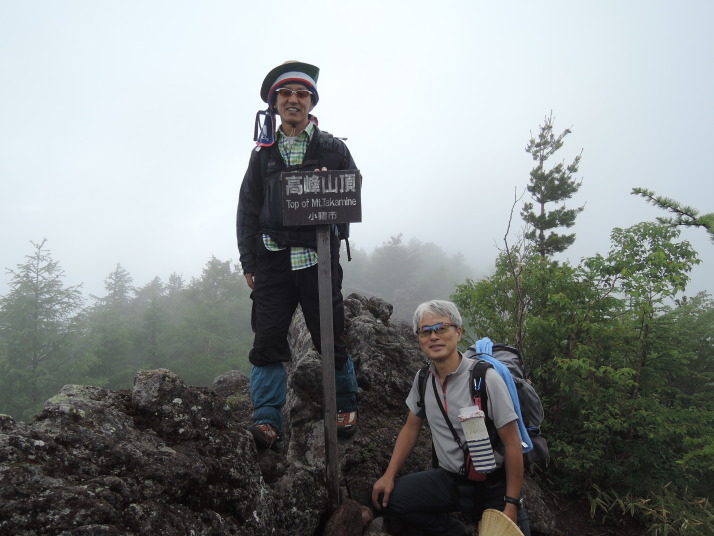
(440, 328)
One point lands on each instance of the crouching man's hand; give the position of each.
(383, 487)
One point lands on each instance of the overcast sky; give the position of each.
(126, 127)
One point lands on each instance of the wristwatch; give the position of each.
(512, 500)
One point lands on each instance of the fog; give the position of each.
(126, 127)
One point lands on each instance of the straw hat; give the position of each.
(496, 523)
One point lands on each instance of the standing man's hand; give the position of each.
(249, 278)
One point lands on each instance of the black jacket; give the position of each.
(259, 192)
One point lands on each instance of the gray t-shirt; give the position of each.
(455, 395)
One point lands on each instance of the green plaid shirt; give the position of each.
(293, 151)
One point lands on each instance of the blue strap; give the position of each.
(485, 346)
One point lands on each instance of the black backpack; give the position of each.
(531, 406)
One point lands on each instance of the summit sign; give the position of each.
(321, 197)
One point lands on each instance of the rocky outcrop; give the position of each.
(165, 458)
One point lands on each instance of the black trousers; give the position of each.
(277, 292)
(422, 501)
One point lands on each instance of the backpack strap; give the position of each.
(463, 446)
(421, 385)
(446, 417)
(263, 157)
(347, 244)
(478, 382)
(478, 390)
(423, 374)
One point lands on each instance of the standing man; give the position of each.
(423, 500)
(280, 263)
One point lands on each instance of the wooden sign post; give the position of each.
(321, 199)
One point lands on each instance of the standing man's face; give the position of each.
(294, 110)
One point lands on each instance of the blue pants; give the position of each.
(424, 500)
(268, 389)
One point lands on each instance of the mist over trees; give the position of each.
(405, 274)
(51, 335)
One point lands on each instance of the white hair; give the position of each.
(437, 308)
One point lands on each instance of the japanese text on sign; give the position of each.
(316, 197)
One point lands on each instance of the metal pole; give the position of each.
(324, 271)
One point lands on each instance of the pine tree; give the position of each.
(548, 186)
(683, 214)
(39, 332)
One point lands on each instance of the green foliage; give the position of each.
(626, 380)
(548, 186)
(683, 214)
(367, 452)
(545, 308)
(681, 371)
(649, 261)
(651, 266)
(665, 512)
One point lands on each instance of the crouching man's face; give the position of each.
(438, 337)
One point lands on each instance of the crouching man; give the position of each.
(422, 501)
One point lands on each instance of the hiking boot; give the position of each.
(347, 423)
(266, 437)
